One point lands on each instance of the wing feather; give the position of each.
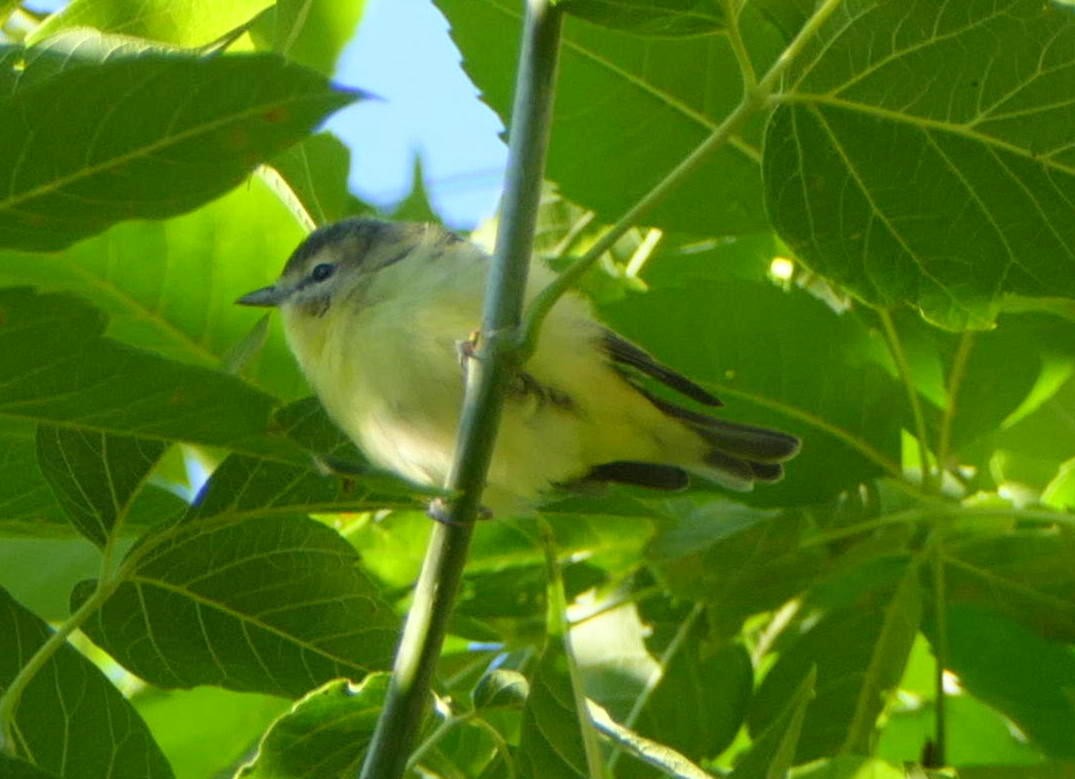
(625, 353)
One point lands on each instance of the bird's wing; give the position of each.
(626, 354)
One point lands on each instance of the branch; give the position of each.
(753, 101)
(401, 720)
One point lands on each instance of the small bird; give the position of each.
(375, 313)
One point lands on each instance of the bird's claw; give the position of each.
(439, 510)
(467, 349)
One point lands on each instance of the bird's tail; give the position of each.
(737, 455)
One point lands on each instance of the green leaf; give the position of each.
(761, 350)
(95, 476)
(58, 723)
(1030, 680)
(310, 32)
(1041, 771)
(977, 733)
(557, 736)
(628, 109)
(27, 504)
(248, 487)
(314, 173)
(416, 207)
(7, 7)
(700, 701)
(663, 18)
(275, 604)
(205, 730)
(76, 48)
(170, 286)
(653, 753)
(1025, 575)
(190, 23)
(178, 132)
(860, 652)
(773, 752)
(14, 768)
(751, 564)
(788, 16)
(40, 572)
(983, 163)
(324, 734)
(855, 767)
(958, 374)
(551, 741)
(500, 687)
(58, 369)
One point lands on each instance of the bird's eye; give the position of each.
(322, 271)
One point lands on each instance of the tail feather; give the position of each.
(652, 475)
(757, 444)
(747, 442)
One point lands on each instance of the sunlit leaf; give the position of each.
(170, 286)
(189, 23)
(179, 131)
(204, 730)
(324, 734)
(58, 369)
(310, 32)
(985, 169)
(664, 18)
(859, 652)
(1028, 679)
(315, 175)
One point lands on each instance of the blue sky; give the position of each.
(403, 53)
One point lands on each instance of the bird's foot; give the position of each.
(467, 349)
(439, 510)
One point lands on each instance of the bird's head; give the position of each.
(333, 262)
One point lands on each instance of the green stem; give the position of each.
(9, 701)
(904, 369)
(753, 100)
(735, 38)
(401, 720)
(658, 673)
(955, 382)
(557, 629)
(940, 651)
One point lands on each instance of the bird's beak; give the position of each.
(266, 297)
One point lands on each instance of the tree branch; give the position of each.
(423, 635)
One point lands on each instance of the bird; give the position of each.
(375, 313)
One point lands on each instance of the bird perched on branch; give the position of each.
(374, 312)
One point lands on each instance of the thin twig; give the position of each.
(940, 653)
(434, 595)
(956, 375)
(658, 673)
(753, 100)
(904, 369)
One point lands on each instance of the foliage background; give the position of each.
(878, 260)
